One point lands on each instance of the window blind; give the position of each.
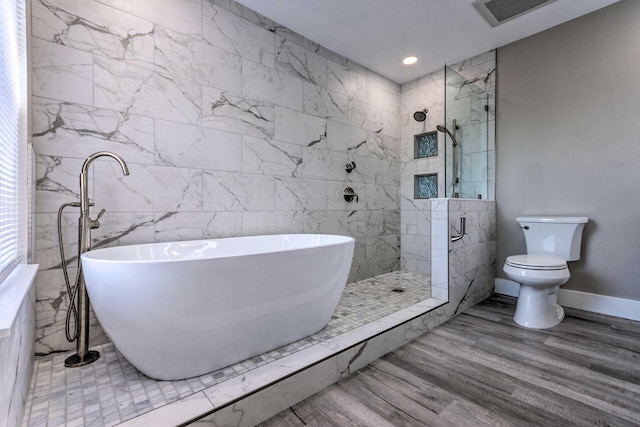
(13, 142)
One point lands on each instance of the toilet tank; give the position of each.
(557, 235)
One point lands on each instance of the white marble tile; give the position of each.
(174, 413)
(299, 128)
(57, 182)
(409, 222)
(268, 402)
(383, 146)
(264, 156)
(191, 59)
(265, 83)
(368, 170)
(225, 191)
(297, 194)
(187, 146)
(51, 310)
(383, 96)
(273, 222)
(229, 32)
(299, 62)
(380, 248)
(61, 72)
(382, 197)
(16, 346)
(176, 226)
(342, 137)
(357, 113)
(93, 27)
(321, 102)
(233, 113)
(326, 222)
(342, 80)
(374, 120)
(73, 130)
(180, 15)
(360, 223)
(391, 172)
(147, 188)
(320, 163)
(124, 86)
(416, 247)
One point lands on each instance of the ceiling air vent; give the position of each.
(498, 12)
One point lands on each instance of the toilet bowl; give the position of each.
(551, 242)
(540, 277)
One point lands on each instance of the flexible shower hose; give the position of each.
(71, 291)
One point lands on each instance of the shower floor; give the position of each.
(111, 391)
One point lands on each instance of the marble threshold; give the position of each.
(112, 392)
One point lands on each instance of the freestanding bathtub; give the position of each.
(181, 309)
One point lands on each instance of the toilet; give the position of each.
(551, 242)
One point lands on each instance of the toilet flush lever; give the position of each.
(463, 223)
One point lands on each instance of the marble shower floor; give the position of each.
(111, 391)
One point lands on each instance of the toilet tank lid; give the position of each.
(554, 219)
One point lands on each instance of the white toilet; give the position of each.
(551, 242)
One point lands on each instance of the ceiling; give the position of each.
(380, 33)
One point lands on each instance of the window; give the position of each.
(13, 141)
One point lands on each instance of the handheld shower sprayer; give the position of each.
(455, 179)
(444, 129)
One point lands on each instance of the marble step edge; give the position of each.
(301, 374)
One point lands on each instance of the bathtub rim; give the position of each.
(93, 255)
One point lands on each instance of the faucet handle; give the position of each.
(95, 223)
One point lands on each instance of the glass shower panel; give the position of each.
(467, 119)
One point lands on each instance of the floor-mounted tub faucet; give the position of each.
(83, 356)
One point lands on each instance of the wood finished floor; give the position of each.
(481, 369)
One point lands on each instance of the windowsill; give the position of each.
(12, 293)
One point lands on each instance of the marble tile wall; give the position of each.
(429, 92)
(16, 354)
(230, 124)
(472, 260)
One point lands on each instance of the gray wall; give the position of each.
(568, 142)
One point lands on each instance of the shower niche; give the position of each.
(468, 132)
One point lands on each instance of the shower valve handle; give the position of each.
(95, 223)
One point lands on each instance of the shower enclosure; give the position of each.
(468, 118)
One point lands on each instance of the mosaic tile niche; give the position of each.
(425, 145)
(426, 186)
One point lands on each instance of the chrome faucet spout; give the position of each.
(84, 177)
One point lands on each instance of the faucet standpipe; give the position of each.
(83, 356)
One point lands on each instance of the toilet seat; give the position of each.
(536, 262)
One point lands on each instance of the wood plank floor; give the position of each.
(481, 369)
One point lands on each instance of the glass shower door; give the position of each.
(466, 148)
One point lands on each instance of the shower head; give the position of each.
(420, 116)
(443, 129)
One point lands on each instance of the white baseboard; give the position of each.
(612, 306)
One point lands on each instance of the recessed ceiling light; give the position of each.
(409, 60)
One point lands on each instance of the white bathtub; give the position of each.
(181, 309)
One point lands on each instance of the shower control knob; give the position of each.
(350, 166)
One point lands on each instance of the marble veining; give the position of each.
(93, 28)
